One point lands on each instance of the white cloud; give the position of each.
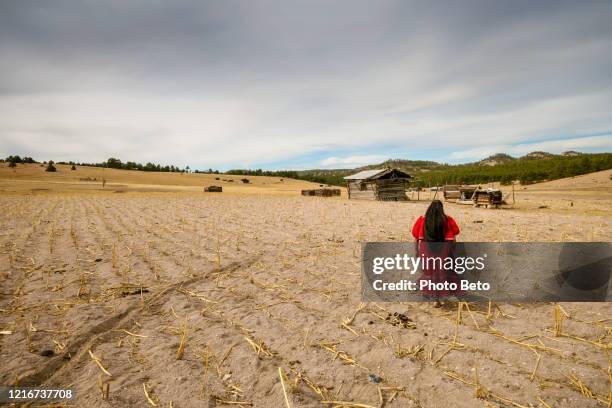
(590, 143)
(214, 85)
(351, 161)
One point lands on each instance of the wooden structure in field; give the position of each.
(213, 189)
(322, 192)
(460, 194)
(473, 195)
(489, 198)
(381, 184)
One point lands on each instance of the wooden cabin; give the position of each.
(380, 184)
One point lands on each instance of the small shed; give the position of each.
(322, 192)
(380, 184)
(489, 198)
(459, 194)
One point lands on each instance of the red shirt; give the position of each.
(450, 229)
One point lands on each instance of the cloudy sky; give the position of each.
(302, 84)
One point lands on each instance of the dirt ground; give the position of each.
(187, 299)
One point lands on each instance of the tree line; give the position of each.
(17, 159)
(112, 163)
(526, 170)
(307, 175)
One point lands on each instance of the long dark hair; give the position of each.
(435, 220)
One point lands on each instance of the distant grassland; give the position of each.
(498, 168)
(527, 170)
(27, 176)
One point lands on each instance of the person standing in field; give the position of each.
(436, 227)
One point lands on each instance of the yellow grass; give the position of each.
(32, 177)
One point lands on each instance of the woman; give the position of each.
(436, 226)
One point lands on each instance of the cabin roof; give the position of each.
(375, 174)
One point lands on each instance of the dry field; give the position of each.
(32, 178)
(252, 298)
